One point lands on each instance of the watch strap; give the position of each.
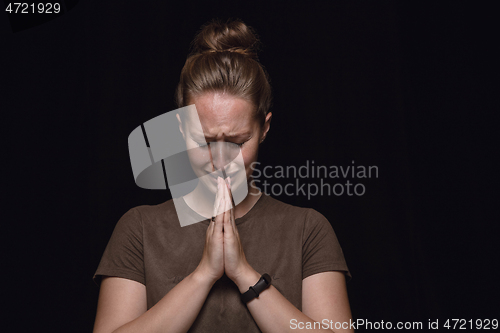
(254, 291)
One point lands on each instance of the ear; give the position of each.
(180, 126)
(266, 127)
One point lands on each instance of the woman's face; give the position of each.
(228, 126)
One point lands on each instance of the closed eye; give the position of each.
(205, 144)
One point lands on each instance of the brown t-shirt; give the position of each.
(290, 243)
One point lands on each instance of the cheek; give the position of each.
(198, 157)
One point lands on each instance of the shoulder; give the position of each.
(276, 204)
(307, 217)
(280, 208)
(146, 214)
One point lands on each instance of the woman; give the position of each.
(160, 277)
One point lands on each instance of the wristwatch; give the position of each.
(263, 283)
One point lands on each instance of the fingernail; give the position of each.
(218, 182)
(229, 181)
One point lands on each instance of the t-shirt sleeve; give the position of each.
(124, 255)
(321, 251)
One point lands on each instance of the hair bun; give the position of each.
(231, 36)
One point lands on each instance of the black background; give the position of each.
(410, 88)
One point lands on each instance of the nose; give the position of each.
(222, 154)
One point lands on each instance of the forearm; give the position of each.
(176, 311)
(272, 311)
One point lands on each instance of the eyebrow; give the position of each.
(231, 136)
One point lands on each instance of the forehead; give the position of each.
(224, 114)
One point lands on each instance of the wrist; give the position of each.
(203, 279)
(247, 279)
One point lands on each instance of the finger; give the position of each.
(221, 206)
(219, 219)
(216, 208)
(228, 181)
(227, 214)
(232, 207)
(216, 201)
(222, 196)
(226, 195)
(211, 224)
(222, 201)
(218, 224)
(217, 197)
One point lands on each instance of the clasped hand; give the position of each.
(223, 251)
